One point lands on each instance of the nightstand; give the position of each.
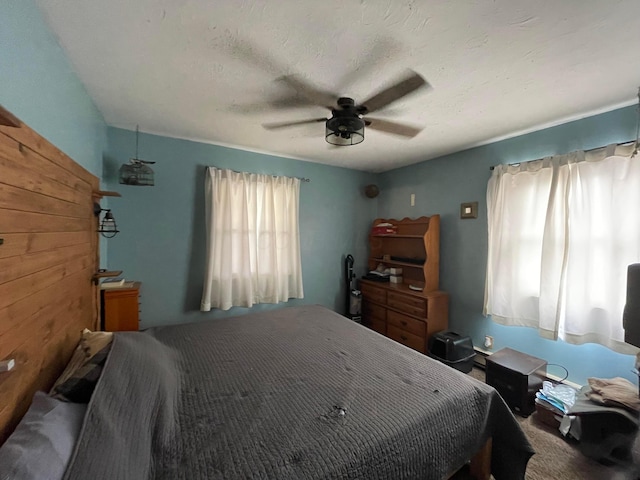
(120, 308)
(517, 377)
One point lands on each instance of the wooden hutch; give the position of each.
(407, 315)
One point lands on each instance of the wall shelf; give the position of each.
(397, 263)
(106, 274)
(395, 235)
(105, 193)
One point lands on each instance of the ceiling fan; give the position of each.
(347, 122)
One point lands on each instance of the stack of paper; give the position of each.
(115, 282)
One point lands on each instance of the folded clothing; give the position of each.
(560, 396)
(614, 392)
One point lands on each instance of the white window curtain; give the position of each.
(253, 245)
(562, 232)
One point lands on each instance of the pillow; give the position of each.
(43, 441)
(79, 385)
(93, 342)
(75, 363)
(81, 374)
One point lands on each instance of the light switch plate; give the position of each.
(469, 210)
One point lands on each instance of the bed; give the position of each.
(295, 393)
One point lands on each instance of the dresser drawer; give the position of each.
(120, 309)
(379, 326)
(373, 294)
(372, 310)
(407, 304)
(406, 338)
(408, 324)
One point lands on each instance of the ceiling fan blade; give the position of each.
(370, 61)
(311, 94)
(283, 103)
(395, 128)
(395, 92)
(274, 126)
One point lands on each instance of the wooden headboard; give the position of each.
(48, 256)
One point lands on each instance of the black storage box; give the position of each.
(517, 377)
(452, 349)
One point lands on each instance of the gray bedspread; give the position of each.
(296, 393)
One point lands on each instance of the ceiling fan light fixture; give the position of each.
(344, 130)
(346, 125)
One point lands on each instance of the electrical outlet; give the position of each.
(413, 200)
(488, 342)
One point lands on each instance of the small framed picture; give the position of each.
(469, 210)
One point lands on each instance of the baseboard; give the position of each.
(480, 361)
(480, 358)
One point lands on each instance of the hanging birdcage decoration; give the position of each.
(137, 172)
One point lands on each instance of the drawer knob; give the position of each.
(404, 324)
(403, 338)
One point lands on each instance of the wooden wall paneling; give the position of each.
(18, 175)
(48, 257)
(41, 162)
(15, 221)
(12, 268)
(11, 292)
(47, 323)
(27, 310)
(34, 142)
(14, 197)
(41, 361)
(7, 118)
(23, 243)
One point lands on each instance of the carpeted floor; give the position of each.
(559, 459)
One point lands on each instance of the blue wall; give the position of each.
(162, 239)
(39, 86)
(442, 184)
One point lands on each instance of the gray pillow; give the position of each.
(43, 441)
(81, 374)
(79, 386)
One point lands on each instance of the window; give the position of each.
(562, 232)
(253, 246)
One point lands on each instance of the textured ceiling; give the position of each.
(207, 70)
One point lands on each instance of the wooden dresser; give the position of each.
(404, 315)
(393, 309)
(120, 308)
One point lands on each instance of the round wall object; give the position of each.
(371, 191)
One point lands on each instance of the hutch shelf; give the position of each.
(407, 315)
(415, 248)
